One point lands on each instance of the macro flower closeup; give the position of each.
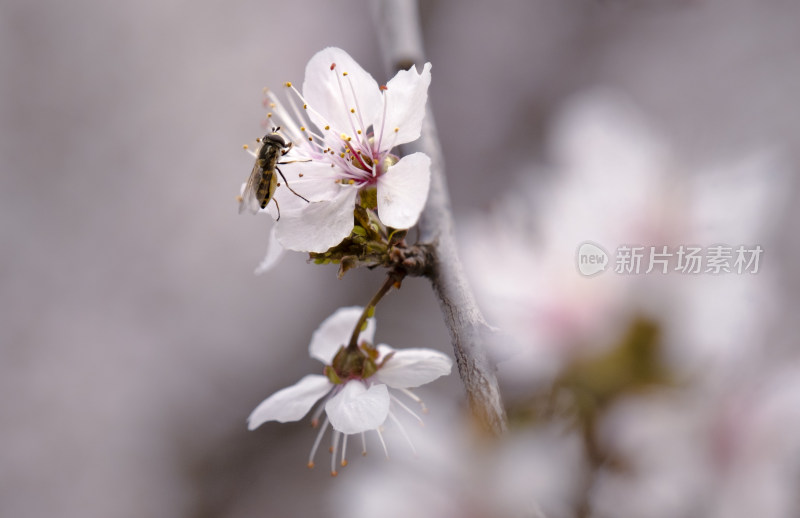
(343, 128)
(354, 389)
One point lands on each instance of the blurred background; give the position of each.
(136, 338)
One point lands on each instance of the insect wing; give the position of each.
(249, 201)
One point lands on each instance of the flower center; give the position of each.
(353, 363)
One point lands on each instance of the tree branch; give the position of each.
(401, 41)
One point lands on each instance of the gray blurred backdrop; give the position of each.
(135, 337)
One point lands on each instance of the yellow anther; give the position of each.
(305, 106)
(245, 146)
(310, 465)
(396, 130)
(269, 114)
(344, 73)
(288, 84)
(341, 155)
(349, 139)
(300, 175)
(327, 127)
(352, 110)
(272, 105)
(310, 139)
(343, 136)
(358, 131)
(344, 463)
(302, 128)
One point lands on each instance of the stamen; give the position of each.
(383, 443)
(344, 102)
(376, 150)
(416, 399)
(306, 106)
(404, 407)
(333, 456)
(316, 443)
(389, 148)
(367, 169)
(403, 431)
(344, 449)
(364, 144)
(318, 412)
(363, 444)
(286, 120)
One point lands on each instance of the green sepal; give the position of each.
(330, 372)
(368, 369)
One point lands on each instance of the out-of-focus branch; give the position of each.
(401, 40)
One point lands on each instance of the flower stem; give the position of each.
(393, 279)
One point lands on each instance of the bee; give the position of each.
(262, 183)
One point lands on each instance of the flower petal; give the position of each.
(403, 190)
(274, 253)
(291, 403)
(405, 96)
(357, 408)
(319, 225)
(330, 94)
(314, 180)
(335, 332)
(409, 368)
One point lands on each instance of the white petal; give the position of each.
(335, 332)
(291, 403)
(318, 183)
(405, 96)
(409, 368)
(319, 225)
(329, 94)
(357, 408)
(403, 189)
(274, 253)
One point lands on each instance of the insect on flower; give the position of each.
(262, 183)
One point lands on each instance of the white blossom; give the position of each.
(353, 403)
(343, 138)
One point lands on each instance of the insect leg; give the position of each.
(294, 161)
(288, 148)
(279, 209)
(287, 185)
